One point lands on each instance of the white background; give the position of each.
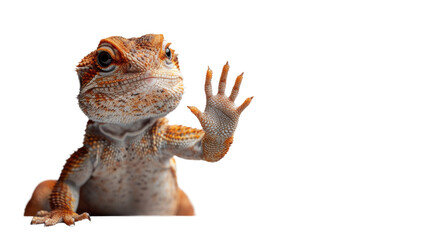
(333, 146)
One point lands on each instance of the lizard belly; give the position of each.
(130, 188)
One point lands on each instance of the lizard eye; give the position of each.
(104, 59)
(168, 53)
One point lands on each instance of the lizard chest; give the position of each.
(130, 180)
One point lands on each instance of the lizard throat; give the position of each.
(120, 132)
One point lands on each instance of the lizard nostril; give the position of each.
(80, 81)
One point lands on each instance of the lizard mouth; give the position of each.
(131, 82)
(147, 81)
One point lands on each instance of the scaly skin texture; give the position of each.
(126, 165)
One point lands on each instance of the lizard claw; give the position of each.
(51, 218)
(244, 105)
(195, 111)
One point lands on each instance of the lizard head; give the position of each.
(126, 80)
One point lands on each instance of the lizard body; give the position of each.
(126, 165)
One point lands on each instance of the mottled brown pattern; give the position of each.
(126, 164)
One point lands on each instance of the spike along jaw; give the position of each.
(126, 80)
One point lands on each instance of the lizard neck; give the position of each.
(120, 132)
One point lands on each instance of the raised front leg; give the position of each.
(65, 194)
(219, 121)
(220, 118)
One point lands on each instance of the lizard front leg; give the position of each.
(65, 194)
(220, 117)
(219, 121)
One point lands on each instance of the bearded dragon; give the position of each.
(126, 164)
